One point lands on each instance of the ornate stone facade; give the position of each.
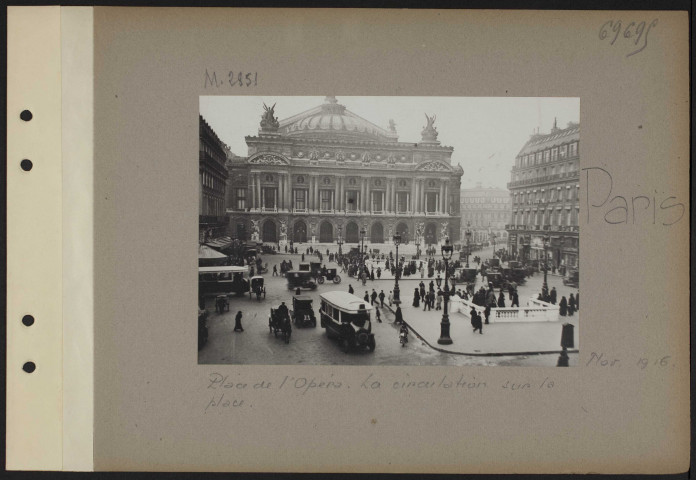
(544, 190)
(327, 172)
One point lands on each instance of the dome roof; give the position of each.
(332, 120)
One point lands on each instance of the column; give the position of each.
(258, 188)
(419, 196)
(317, 204)
(439, 208)
(335, 195)
(288, 192)
(275, 198)
(362, 194)
(408, 200)
(310, 194)
(411, 206)
(341, 194)
(394, 195)
(368, 194)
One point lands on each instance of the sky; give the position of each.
(485, 132)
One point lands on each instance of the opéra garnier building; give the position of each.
(327, 173)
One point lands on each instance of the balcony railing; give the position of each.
(547, 228)
(269, 209)
(543, 179)
(300, 210)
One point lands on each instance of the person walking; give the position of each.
(439, 300)
(381, 298)
(398, 316)
(501, 299)
(366, 297)
(390, 298)
(571, 305)
(564, 307)
(487, 312)
(275, 271)
(373, 297)
(515, 299)
(427, 303)
(416, 297)
(350, 289)
(379, 273)
(476, 321)
(553, 296)
(238, 322)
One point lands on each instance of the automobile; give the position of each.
(496, 279)
(256, 286)
(466, 275)
(494, 263)
(302, 312)
(300, 279)
(573, 279)
(202, 328)
(220, 280)
(346, 317)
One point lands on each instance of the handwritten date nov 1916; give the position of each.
(632, 32)
(233, 79)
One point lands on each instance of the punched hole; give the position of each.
(26, 165)
(29, 367)
(28, 320)
(26, 115)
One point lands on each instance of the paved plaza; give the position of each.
(500, 344)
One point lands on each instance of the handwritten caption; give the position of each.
(631, 33)
(224, 392)
(230, 78)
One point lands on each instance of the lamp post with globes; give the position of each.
(363, 232)
(468, 242)
(397, 271)
(445, 323)
(339, 240)
(545, 287)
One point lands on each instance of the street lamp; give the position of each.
(445, 324)
(339, 240)
(545, 287)
(468, 242)
(362, 250)
(493, 237)
(397, 298)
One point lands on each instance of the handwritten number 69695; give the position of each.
(636, 32)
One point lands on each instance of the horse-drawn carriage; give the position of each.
(279, 322)
(257, 287)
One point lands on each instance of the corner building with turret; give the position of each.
(327, 173)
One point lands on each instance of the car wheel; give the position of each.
(320, 280)
(337, 280)
(371, 345)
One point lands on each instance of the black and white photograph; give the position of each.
(389, 231)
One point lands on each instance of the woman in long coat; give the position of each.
(416, 297)
(501, 299)
(564, 306)
(571, 305)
